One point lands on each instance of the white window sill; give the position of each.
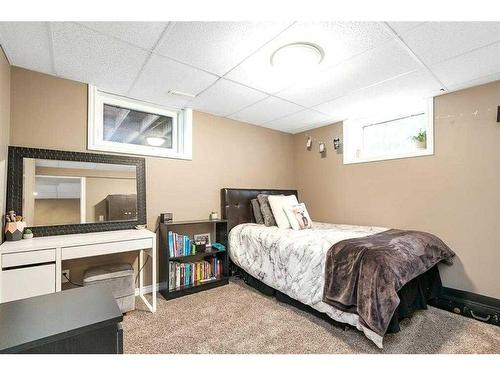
(140, 150)
(424, 152)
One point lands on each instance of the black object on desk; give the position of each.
(76, 321)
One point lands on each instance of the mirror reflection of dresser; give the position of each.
(58, 192)
(116, 207)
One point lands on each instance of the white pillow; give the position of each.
(278, 203)
(298, 216)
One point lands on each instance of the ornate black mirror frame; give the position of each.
(15, 188)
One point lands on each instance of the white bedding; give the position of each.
(293, 262)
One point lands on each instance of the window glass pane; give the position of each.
(135, 127)
(392, 137)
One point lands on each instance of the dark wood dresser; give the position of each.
(82, 320)
(117, 207)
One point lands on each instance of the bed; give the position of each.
(291, 264)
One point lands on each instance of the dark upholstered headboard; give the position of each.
(236, 207)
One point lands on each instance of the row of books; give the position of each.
(180, 245)
(185, 274)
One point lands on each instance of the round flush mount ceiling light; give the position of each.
(298, 56)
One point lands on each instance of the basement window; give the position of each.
(123, 125)
(392, 134)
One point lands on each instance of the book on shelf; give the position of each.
(182, 274)
(179, 245)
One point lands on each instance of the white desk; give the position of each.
(33, 267)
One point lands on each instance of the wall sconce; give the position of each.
(322, 148)
(309, 143)
(336, 143)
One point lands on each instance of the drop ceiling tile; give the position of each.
(373, 66)
(300, 120)
(266, 110)
(339, 40)
(85, 55)
(162, 99)
(396, 94)
(160, 75)
(470, 66)
(141, 34)
(437, 41)
(226, 97)
(403, 26)
(217, 46)
(27, 45)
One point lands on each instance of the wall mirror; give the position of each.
(60, 192)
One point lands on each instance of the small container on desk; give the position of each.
(189, 228)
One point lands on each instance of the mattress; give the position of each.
(293, 262)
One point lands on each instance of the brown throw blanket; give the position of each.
(363, 275)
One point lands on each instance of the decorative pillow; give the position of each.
(256, 211)
(266, 211)
(278, 203)
(298, 216)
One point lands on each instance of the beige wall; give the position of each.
(50, 112)
(57, 211)
(75, 172)
(454, 194)
(4, 130)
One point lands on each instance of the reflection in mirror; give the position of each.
(59, 192)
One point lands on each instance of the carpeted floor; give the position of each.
(238, 319)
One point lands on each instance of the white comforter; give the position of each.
(293, 262)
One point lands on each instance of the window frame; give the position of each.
(181, 126)
(367, 121)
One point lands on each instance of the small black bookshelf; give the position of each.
(190, 227)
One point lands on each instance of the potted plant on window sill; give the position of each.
(420, 139)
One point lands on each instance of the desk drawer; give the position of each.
(28, 282)
(74, 252)
(26, 258)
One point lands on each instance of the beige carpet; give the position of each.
(238, 319)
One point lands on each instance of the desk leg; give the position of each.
(141, 274)
(153, 272)
(151, 307)
(58, 269)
